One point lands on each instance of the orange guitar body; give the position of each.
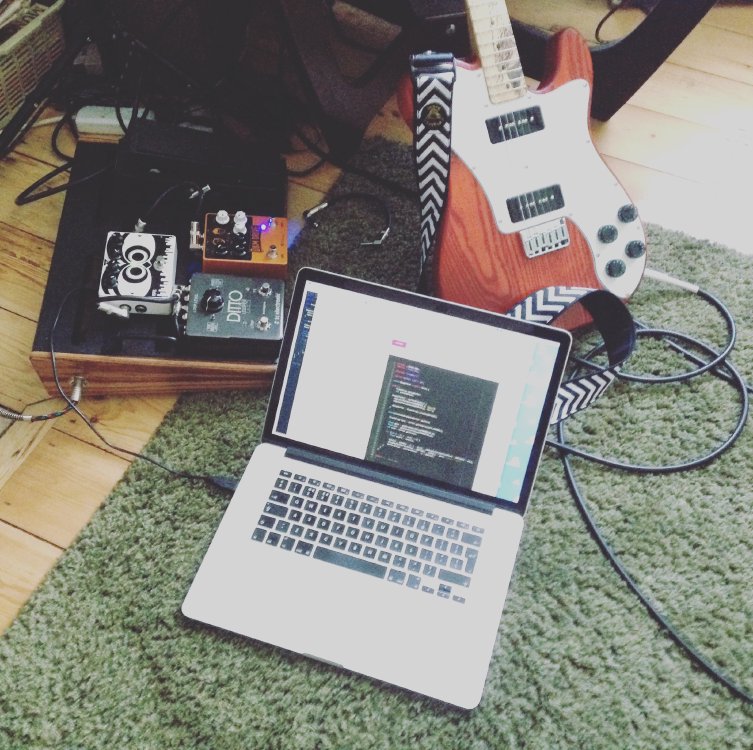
(485, 254)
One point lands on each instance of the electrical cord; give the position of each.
(733, 376)
(615, 5)
(391, 185)
(28, 195)
(16, 416)
(220, 481)
(719, 366)
(695, 655)
(194, 192)
(370, 197)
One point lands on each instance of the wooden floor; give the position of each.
(682, 147)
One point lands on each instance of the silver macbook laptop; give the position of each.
(376, 525)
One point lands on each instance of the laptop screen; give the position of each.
(440, 393)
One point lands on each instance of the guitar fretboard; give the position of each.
(496, 49)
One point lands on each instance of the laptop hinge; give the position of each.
(367, 472)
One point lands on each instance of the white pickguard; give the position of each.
(563, 154)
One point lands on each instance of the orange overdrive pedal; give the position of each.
(242, 244)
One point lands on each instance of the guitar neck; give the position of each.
(495, 46)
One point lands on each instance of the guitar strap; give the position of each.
(613, 321)
(433, 76)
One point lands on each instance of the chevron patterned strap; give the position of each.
(611, 317)
(433, 78)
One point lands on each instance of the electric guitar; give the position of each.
(530, 202)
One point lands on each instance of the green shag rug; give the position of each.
(102, 658)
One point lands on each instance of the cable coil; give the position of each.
(719, 366)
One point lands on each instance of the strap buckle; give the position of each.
(432, 63)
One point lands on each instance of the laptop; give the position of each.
(377, 523)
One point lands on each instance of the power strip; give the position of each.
(98, 120)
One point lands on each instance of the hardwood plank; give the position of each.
(24, 263)
(55, 510)
(321, 180)
(24, 562)
(700, 97)
(720, 52)
(40, 218)
(673, 145)
(125, 422)
(699, 210)
(584, 15)
(19, 384)
(37, 142)
(389, 124)
(17, 443)
(731, 16)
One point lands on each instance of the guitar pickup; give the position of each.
(545, 238)
(512, 125)
(536, 203)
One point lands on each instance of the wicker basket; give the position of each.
(28, 55)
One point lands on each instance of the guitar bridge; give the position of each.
(545, 238)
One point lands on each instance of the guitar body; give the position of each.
(538, 207)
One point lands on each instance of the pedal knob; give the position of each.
(627, 213)
(615, 268)
(223, 217)
(634, 249)
(608, 233)
(212, 301)
(263, 323)
(239, 222)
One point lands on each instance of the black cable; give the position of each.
(696, 657)
(719, 366)
(28, 195)
(395, 187)
(369, 197)
(220, 481)
(66, 119)
(611, 12)
(16, 416)
(702, 367)
(736, 379)
(306, 171)
(194, 191)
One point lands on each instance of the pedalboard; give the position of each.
(138, 273)
(245, 245)
(232, 316)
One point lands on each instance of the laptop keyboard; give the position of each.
(407, 546)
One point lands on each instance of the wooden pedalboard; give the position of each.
(140, 358)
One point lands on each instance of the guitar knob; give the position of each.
(627, 213)
(607, 233)
(634, 249)
(615, 268)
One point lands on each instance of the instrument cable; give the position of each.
(220, 481)
(719, 366)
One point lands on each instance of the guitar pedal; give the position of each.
(232, 316)
(138, 273)
(242, 244)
